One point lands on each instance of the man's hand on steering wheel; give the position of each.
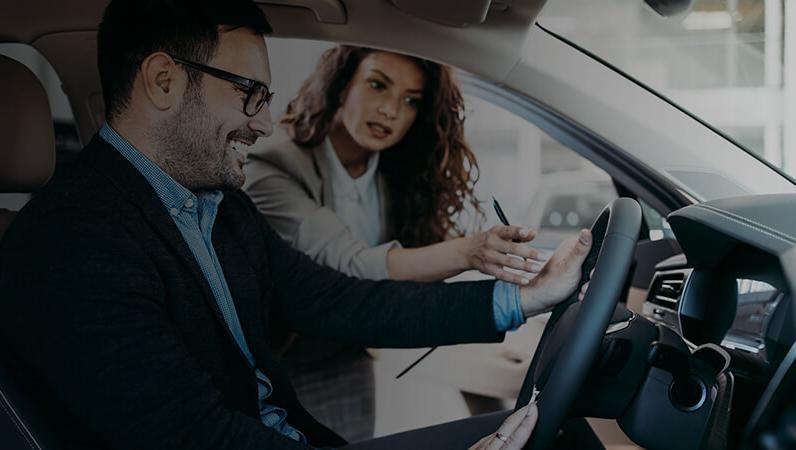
(559, 277)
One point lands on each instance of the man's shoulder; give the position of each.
(72, 190)
(76, 194)
(239, 221)
(239, 208)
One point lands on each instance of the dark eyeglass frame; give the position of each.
(248, 84)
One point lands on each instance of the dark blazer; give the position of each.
(107, 318)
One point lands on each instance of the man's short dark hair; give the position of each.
(131, 30)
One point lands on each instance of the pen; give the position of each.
(501, 215)
(499, 211)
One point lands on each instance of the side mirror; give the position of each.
(668, 8)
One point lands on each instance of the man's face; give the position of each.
(204, 144)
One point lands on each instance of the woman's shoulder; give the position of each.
(286, 156)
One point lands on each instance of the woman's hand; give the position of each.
(514, 432)
(494, 250)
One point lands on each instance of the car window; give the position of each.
(297, 59)
(727, 62)
(539, 182)
(657, 224)
(534, 178)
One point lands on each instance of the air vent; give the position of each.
(667, 288)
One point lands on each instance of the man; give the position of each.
(141, 286)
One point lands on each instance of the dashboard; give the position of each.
(745, 316)
(732, 286)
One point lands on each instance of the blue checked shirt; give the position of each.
(195, 215)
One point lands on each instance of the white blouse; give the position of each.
(356, 201)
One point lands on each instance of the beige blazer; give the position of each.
(291, 190)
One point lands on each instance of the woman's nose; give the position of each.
(389, 109)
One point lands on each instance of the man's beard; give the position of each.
(191, 149)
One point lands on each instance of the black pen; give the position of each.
(499, 211)
(501, 215)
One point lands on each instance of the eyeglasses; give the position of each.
(257, 93)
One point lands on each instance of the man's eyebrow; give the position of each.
(268, 85)
(249, 76)
(390, 81)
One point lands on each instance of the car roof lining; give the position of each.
(66, 37)
(497, 41)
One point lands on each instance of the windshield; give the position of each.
(722, 60)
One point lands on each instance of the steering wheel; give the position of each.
(574, 333)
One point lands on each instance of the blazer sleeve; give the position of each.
(274, 184)
(96, 332)
(318, 301)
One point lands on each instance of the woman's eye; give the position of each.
(376, 84)
(414, 102)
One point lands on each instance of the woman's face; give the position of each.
(380, 103)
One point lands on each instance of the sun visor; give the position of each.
(325, 11)
(457, 13)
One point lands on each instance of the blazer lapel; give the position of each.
(323, 190)
(384, 208)
(132, 185)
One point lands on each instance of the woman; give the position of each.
(374, 182)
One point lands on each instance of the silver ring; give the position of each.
(501, 437)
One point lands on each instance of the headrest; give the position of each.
(27, 136)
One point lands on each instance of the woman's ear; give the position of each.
(344, 94)
(337, 119)
(163, 82)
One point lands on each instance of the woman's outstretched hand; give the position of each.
(503, 246)
(514, 433)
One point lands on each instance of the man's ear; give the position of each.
(163, 80)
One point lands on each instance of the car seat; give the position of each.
(27, 161)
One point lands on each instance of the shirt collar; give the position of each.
(341, 179)
(174, 196)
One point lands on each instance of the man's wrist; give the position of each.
(531, 304)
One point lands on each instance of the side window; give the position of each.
(657, 225)
(297, 60)
(539, 182)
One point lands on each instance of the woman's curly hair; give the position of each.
(429, 174)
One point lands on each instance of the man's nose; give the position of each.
(261, 122)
